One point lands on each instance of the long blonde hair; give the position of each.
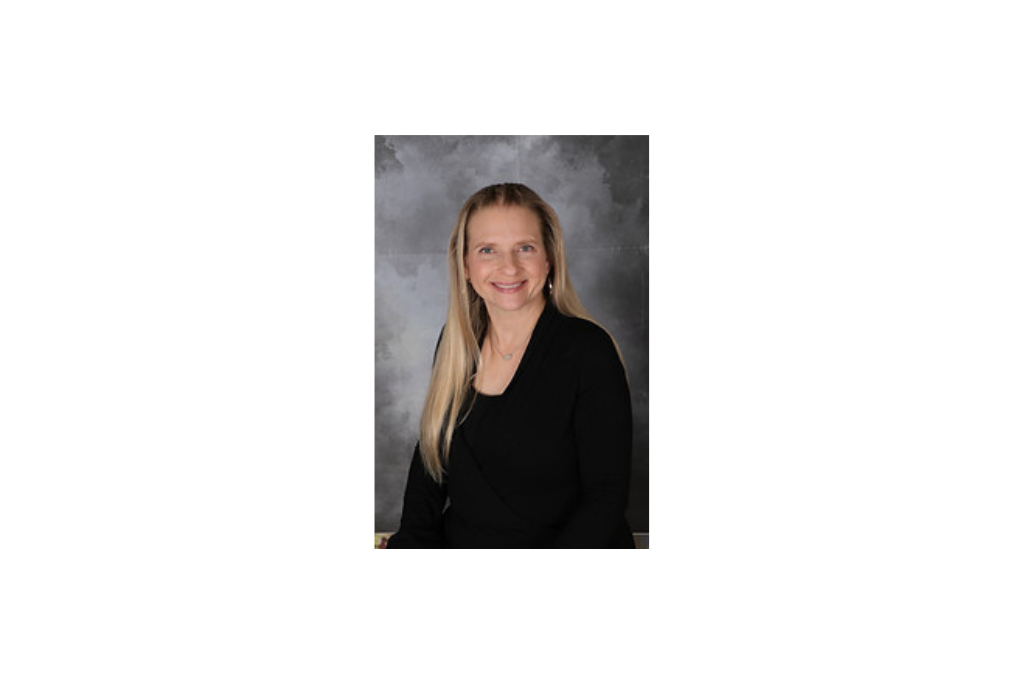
(458, 351)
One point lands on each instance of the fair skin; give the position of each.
(506, 265)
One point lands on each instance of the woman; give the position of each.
(526, 433)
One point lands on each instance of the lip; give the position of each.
(504, 288)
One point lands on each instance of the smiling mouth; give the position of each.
(509, 288)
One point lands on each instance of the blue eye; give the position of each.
(487, 250)
(527, 248)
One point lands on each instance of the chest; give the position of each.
(495, 373)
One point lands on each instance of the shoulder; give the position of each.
(591, 355)
(581, 329)
(586, 339)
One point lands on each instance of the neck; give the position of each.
(512, 328)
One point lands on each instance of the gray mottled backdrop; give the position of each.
(596, 184)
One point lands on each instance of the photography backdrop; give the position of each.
(598, 185)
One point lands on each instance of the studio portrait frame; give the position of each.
(598, 185)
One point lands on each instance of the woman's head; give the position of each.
(513, 205)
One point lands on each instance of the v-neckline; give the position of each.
(544, 315)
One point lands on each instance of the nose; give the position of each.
(508, 264)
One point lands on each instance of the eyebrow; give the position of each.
(491, 243)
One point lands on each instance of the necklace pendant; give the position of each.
(507, 356)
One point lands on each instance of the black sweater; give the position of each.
(545, 464)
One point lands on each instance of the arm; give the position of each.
(603, 425)
(422, 526)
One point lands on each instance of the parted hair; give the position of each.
(458, 350)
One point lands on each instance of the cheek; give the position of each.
(474, 273)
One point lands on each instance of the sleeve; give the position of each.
(422, 524)
(603, 425)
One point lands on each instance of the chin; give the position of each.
(519, 305)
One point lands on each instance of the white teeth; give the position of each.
(507, 287)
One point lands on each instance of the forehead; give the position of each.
(503, 222)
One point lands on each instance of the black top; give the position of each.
(545, 464)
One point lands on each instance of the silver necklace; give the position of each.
(507, 357)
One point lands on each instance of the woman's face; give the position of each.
(505, 258)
